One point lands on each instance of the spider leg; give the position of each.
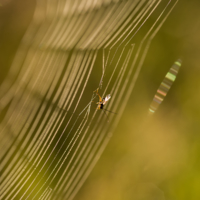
(96, 90)
(100, 99)
(106, 115)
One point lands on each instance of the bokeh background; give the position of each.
(147, 158)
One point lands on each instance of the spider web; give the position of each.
(51, 133)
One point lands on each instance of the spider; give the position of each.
(102, 101)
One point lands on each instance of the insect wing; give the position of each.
(107, 98)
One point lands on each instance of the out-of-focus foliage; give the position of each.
(147, 158)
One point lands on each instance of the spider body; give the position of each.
(102, 101)
(101, 106)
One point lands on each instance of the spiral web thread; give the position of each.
(51, 135)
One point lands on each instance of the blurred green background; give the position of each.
(147, 158)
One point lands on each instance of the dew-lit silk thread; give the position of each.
(165, 86)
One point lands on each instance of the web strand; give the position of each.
(52, 136)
